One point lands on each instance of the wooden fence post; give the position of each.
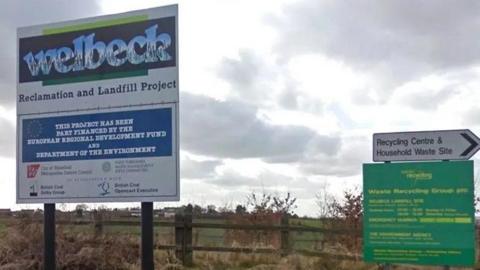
(179, 223)
(188, 238)
(285, 235)
(183, 236)
(97, 223)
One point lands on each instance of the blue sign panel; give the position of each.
(126, 134)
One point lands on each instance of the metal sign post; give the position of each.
(147, 236)
(49, 236)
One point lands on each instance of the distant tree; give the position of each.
(80, 209)
(211, 209)
(197, 210)
(62, 207)
(104, 208)
(350, 213)
(351, 208)
(326, 202)
(227, 208)
(259, 203)
(240, 209)
(284, 205)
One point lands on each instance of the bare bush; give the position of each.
(326, 203)
(265, 209)
(271, 203)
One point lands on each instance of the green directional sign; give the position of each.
(419, 213)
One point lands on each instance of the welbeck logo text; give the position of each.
(120, 48)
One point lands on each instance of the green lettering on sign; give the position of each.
(419, 213)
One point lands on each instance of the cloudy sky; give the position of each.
(284, 95)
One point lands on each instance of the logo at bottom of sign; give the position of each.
(32, 170)
(104, 186)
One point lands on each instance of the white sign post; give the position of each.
(425, 145)
(97, 109)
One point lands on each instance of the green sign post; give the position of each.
(419, 213)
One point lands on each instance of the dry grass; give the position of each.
(237, 261)
(21, 248)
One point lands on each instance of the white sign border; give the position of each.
(164, 11)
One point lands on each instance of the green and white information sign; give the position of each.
(419, 213)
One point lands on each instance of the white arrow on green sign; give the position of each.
(425, 145)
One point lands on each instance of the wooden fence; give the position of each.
(184, 248)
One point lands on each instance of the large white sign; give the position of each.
(97, 109)
(425, 145)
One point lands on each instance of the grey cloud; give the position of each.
(291, 98)
(346, 162)
(244, 72)
(269, 182)
(8, 91)
(288, 99)
(363, 98)
(345, 120)
(199, 169)
(231, 179)
(250, 76)
(395, 40)
(319, 144)
(264, 179)
(470, 117)
(427, 99)
(231, 129)
(31, 12)
(329, 167)
(258, 81)
(7, 138)
(14, 14)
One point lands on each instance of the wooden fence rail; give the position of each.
(183, 238)
(183, 226)
(252, 227)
